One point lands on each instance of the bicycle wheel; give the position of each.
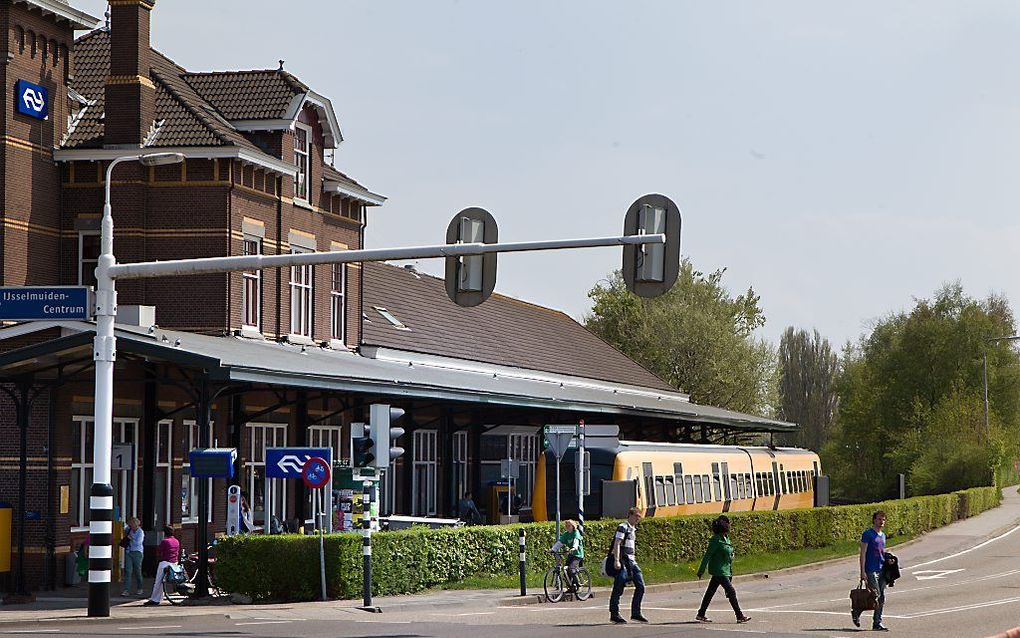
(583, 584)
(554, 585)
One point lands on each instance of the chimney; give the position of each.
(130, 94)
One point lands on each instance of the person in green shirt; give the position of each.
(573, 545)
(719, 561)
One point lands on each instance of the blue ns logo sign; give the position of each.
(32, 100)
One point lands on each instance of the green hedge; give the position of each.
(286, 567)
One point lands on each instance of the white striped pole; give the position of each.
(100, 548)
(366, 544)
(523, 562)
(580, 479)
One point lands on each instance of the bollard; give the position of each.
(523, 563)
(366, 548)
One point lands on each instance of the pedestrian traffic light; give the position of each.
(470, 279)
(650, 270)
(363, 450)
(384, 434)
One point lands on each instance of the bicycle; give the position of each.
(191, 564)
(559, 582)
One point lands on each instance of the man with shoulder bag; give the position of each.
(870, 594)
(622, 561)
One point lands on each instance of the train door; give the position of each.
(726, 486)
(778, 485)
(649, 486)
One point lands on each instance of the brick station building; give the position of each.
(257, 359)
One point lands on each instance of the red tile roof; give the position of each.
(503, 330)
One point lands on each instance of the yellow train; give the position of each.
(670, 479)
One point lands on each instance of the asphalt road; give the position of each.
(957, 583)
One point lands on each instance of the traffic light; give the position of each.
(363, 450)
(470, 279)
(384, 434)
(650, 270)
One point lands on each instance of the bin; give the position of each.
(6, 516)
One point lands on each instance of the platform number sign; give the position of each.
(32, 100)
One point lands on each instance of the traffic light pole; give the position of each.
(366, 547)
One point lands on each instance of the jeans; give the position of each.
(630, 572)
(573, 564)
(877, 584)
(132, 571)
(727, 584)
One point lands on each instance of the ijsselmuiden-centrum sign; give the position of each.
(34, 303)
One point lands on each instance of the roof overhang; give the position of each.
(62, 11)
(246, 156)
(324, 108)
(353, 191)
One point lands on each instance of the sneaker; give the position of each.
(618, 620)
(702, 619)
(125, 593)
(139, 593)
(879, 628)
(743, 619)
(856, 618)
(150, 603)
(639, 618)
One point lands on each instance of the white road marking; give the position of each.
(935, 573)
(468, 613)
(966, 551)
(384, 622)
(263, 622)
(951, 610)
(33, 631)
(154, 627)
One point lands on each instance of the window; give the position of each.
(164, 471)
(708, 487)
(698, 496)
(389, 316)
(426, 461)
(264, 495)
(646, 470)
(125, 482)
(189, 484)
(717, 481)
(301, 298)
(461, 463)
(524, 448)
(670, 491)
(750, 485)
(758, 484)
(772, 483)
(660, 490)
(689, 488)
(89, 247)
(251, 292)
(337, 303)
(678, 478)
(302, 155)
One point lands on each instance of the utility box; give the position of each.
(618, 497)
(821, 487)
(6, 518)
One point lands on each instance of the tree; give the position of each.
(911, 399)
(807, 396)
(697, 337)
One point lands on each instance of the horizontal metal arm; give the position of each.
(203, 265)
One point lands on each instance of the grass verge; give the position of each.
(659, 572)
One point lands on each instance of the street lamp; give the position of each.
(104, 353)
(984, 369)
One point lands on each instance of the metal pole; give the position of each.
(105, 353)
(580, 477)
(522, 565)
(984, 374)
(23, 418)
(557, 497)
(366, 546)
(322, 550)
(146, 269)
(204, 441)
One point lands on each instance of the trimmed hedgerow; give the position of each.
(286, 567)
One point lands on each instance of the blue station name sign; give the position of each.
(34, 303)
(32, 100)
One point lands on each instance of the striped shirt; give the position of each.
(625, 533)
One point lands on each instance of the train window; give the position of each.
(660, 490)
(733, 486)
(749, 484)
(717, 481)
(740, 486)
(670, 490)
(771, 480)
(646, 469)
(698, 497)
(689, 488)
(705, 481)
(800, 480)
(758, 484)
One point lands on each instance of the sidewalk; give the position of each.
(70, 603)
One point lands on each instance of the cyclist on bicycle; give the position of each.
(573, 545)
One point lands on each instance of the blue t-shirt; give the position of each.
(874, 556)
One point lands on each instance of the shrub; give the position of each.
(286, 567)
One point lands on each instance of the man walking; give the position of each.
(627, 569)
(872, 559)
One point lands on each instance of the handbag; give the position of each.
(609, 566)
(125, 542)
(862, 598)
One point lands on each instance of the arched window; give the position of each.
(19, 38)
(31, 42)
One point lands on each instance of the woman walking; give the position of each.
(719, 560)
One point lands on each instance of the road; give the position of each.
(958, 582)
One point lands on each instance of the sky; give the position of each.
(840, 158)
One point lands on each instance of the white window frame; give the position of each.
(257, 459)
(253, 279)
(426, 457)
(303, 159)
(461, 464)
(524, 447)
(302, 296)
(338, 302)
(81, 259)
(120, 426)
(192, 441)
(165, 461)
(328, 436)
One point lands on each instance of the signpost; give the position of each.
(39, 303)
(558, 437)
(123, 457)
(316, 475)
